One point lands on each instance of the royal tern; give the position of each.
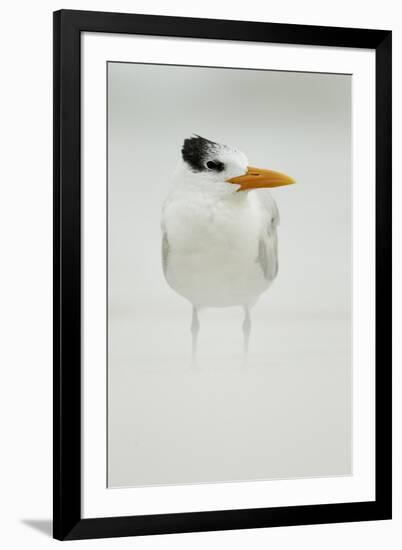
(219, 235)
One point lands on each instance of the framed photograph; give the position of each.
(222, 275)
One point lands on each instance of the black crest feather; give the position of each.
(196, 150)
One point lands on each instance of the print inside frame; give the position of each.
(210, 418)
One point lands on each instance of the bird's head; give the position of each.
(216, 165)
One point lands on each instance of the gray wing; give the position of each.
(165, 251)
(268, 243)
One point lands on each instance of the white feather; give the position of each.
(220, 245)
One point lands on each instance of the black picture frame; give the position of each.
(68, 26)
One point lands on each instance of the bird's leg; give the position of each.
(246, 332)
(195, 328)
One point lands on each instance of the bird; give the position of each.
(219, 231)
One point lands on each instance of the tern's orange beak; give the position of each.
(255, 178)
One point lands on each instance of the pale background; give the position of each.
(288, 414)
(26, 284)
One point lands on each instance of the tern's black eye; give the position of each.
(215, 165)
